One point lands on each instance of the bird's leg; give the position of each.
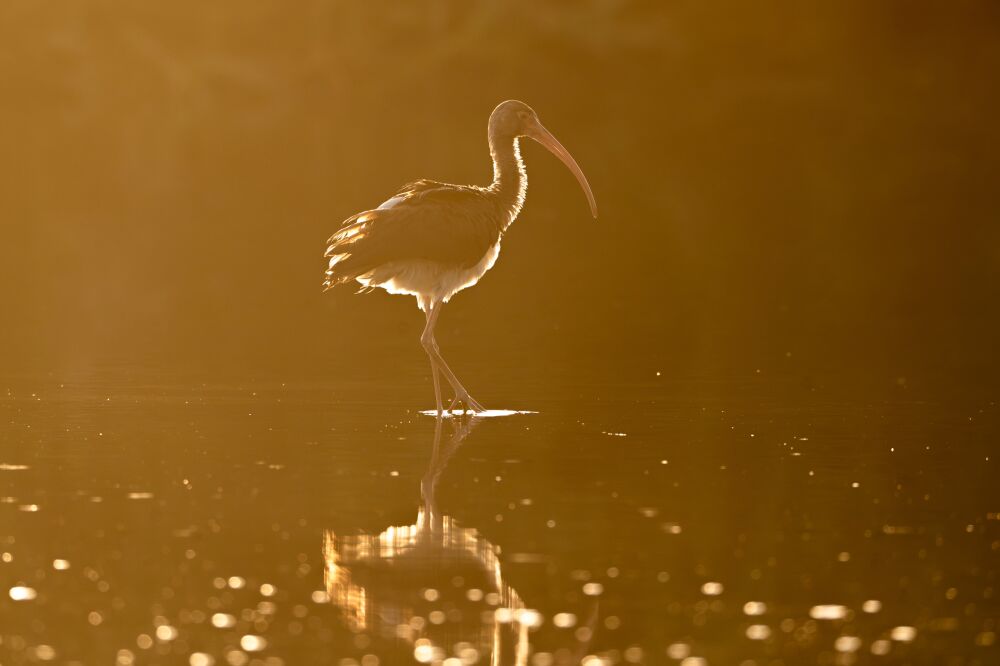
(469, 403)
(435, 373)
(430, 344)
(437, 387)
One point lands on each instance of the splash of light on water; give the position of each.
(489, 413)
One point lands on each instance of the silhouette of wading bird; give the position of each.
(431, 239)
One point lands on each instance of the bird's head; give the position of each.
(513, 119)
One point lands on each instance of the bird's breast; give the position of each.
(486, 263)
(429, 281)
(455, 279)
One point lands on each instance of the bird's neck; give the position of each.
(510, 181)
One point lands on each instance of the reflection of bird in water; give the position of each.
(434, 584)
(431, 239)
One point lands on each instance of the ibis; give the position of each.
(431, 240)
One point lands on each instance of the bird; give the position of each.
(431, 239)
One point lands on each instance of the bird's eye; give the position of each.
(523, 115)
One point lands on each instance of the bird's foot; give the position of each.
(469, 404)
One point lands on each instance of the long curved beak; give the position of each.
(544, 137)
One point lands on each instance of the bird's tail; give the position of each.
(342, 245)
(332, 277)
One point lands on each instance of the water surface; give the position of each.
(690, 522)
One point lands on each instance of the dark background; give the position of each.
(799, 189)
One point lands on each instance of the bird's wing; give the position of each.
(409, 190)
(424, 185)
(448, 224)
